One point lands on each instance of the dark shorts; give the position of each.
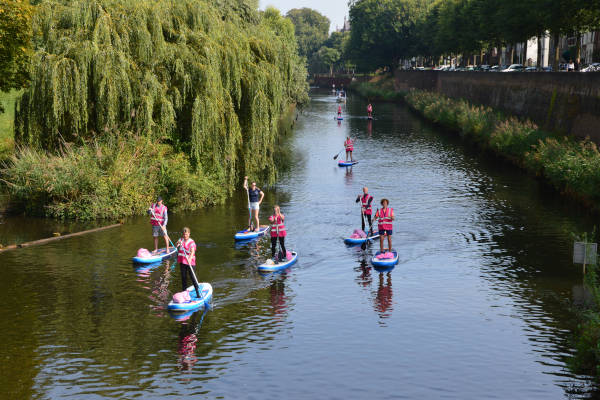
(385, 232)
(157, 231)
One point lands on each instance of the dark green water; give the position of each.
(479, 305)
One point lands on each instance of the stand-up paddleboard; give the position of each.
(206, 292)
(353, 241)
(248, 234)
(343, 163)
(271, 266)
(340, 118)
(370, 118)
(378, 261)
(160, 255)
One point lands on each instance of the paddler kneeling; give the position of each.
(278, 232)
(158, 218)
(385, 216)
(186, 257)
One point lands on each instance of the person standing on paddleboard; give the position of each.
(158, 218)
(186, 257)
(385, 216)
(349, 146)
(370, 111)
(278, 232)
(255, 198)
(366, 209)
(339, 111)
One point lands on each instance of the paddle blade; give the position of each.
(336, 156)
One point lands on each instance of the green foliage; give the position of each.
(312, 29)
(15, 44)
(384, 32)
(7, 102)
(380, 88)
(108, 179)
(211, 80)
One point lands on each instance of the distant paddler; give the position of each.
(158, 218)
(366, 209)
(255, 198)
(349, 146)
(370, 111)
(385, 218)
(339, 111)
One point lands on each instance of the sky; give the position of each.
(332, 9)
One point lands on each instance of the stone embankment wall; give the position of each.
(563, 102)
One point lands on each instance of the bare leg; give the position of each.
(351, 157)
(381, 239)
(256, 218)
(390, 242)
(166, 243)
(155, 244)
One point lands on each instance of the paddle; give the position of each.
(250, 223)
(364, 244)
(338, 154)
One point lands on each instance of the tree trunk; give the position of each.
(330, 69)
(556, 60)
(540, 41)
(578, 51)
(512, 54)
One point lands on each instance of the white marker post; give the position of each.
(585, 253)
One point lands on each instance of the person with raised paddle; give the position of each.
(349, 146)
(370, 111)
(186, 257)
(385, 218)
(278, 233)
(255, 198)
(158, 218)
(366, 209)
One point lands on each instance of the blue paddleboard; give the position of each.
(248, 235)
(385, 262)
(353, 241)
(271, 267)
(158, 257)
(206, 292)
(343, 163)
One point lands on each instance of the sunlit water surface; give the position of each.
(479, 306)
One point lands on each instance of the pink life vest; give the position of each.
(369, 109)
(349, 145)
(277, 223)
(187, 246)
(157, 219)
(367, 208)
(339, 109)
(385, 219)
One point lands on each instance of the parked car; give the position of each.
(531, 69)
(483, 67)
(514, 68)
(594, 67)
(547, 69)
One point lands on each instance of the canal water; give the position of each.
(479, 306)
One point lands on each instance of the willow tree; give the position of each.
(209, 78)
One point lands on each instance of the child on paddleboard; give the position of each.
(186, 257)
(349, 146)
(385, 216)
(278, 232)
(255, 198)
(158, 218)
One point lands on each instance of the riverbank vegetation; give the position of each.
(570, 166)
(193, 91)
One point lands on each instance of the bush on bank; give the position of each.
(381, 88)
(571, 166)
(107, 179)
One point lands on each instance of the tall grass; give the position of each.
(108, 179)
(379, 88)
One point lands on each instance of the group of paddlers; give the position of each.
(384, 217)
